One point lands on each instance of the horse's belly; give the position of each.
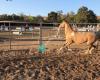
(80, 40)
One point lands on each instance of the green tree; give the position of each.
(98, 20)
(82, 15)
(70, 17)
(3, 17)
(52, 17)
(14, 17)
(30, 18)
(59, 16)
(21, 17)
(92, 17)
(9, 17)
(85, 16)
(39, 19)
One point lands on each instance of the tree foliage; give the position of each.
(92, 17)
(55, 16)
(59, 16)
(70, 17)
(39, 19)
(85, 16)
(52, 17)
(98, 20)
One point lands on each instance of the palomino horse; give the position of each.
(78, 37)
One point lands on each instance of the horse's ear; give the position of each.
(64, 20)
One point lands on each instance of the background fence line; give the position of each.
(12, 35)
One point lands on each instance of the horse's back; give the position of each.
(84, 34)
(81, 37)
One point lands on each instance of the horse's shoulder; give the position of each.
(73, 34)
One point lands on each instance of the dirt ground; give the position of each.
(26, 63)
(35, 44)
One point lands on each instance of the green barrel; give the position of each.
(41, 48)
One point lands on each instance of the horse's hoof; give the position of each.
(69, 49)
(87, 52)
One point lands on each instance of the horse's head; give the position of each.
(67, 26)
(62, 25)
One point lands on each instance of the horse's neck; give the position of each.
(68, 29)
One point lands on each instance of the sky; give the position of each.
(43, 7)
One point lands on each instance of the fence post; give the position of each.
(41, 47)
(10, 35)
(40, 42)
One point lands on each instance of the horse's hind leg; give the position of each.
(97, 44)
(88, 51)
(90, 48)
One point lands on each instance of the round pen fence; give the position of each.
(27, 36)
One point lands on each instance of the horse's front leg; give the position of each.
(66, 45)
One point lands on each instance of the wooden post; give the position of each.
(10, 35)
(40, 41)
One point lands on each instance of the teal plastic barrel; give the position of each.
(41, 48)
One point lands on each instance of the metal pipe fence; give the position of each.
(20, 36)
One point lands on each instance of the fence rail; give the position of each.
(22, 36)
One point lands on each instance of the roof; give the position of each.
(98, 17)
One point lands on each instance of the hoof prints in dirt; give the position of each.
(52, 67)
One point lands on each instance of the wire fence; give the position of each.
(15, 37)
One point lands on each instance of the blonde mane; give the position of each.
(69, 25)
